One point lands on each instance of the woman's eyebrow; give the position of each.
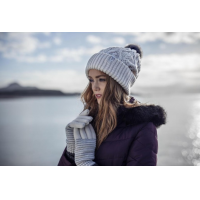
(97, 76)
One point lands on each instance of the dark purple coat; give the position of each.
(133, 142)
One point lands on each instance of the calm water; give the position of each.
(179, 140)
(32, 130)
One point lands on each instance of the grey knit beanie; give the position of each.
(122, 64)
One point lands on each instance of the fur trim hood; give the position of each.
(144, 113)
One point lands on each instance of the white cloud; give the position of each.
(174, 38)
(32, 59)
(165, 70)
(19, 45)
(162, 46)
(119, 40)
(57, 40)
(93, 39)
(44, 45)
(105, 41)
(23, 47)
(47, 33)
(60, 55)
(68, 55)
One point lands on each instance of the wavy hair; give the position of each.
(105, 113)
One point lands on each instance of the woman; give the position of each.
(114, 129)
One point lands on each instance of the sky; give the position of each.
(57, 60)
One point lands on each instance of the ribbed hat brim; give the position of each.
(112, 67)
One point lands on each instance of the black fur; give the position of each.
(144, 113)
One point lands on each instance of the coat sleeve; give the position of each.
(64, 160)
(144, 149)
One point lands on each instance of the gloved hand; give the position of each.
(85, 144)
(79, 122)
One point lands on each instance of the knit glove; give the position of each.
(79, 122)
(85, 144)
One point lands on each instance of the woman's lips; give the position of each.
(98, 96)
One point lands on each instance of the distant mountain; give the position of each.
(16, 86)
(16, 90)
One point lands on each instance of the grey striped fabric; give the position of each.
(84, 152)
(70, 139)
(122, 64)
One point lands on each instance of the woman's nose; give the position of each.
(96, 86)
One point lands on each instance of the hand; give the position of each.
(82, 120)
(85, 144)
(79, 122)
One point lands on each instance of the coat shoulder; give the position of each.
(146, 129)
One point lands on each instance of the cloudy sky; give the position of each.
(57, 60)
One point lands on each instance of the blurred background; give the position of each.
(43, 74)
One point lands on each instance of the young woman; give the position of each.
(114, 129)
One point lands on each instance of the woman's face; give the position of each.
(98, 81)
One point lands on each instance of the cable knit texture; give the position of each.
(122, 64)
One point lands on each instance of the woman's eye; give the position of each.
(101, 79)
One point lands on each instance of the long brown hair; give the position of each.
(105, 113)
